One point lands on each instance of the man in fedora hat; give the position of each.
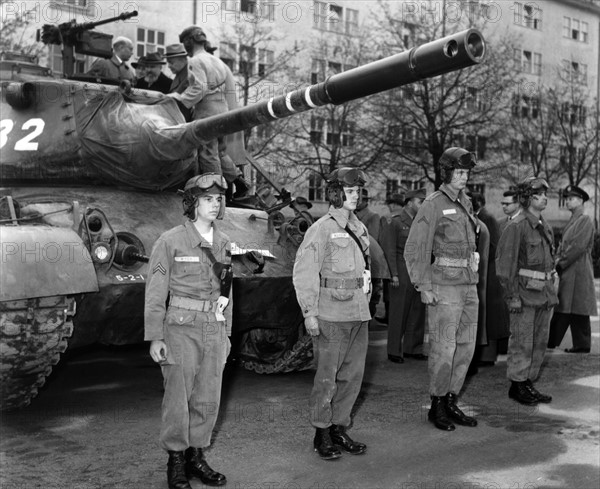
(154, 78)
(576, 299)
(115, 67)
(176, 57)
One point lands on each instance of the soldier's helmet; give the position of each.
(529, 187)
(207, 183)
(340, 178)
(457, 158)
(191, 35)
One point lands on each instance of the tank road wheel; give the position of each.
(271, 351)
(33, 334)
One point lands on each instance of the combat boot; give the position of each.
(438, 416)
(340, 438)
(324, 446)
(520, 392)
(197, 466)
(176, 477)
(455, 413)
(537, 394)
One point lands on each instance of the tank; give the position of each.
(89, 174)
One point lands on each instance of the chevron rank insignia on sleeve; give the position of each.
(159, 268)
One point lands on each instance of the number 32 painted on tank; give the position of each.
(26, 143)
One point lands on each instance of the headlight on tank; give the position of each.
(101, 253)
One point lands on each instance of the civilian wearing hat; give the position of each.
(442, 261)
(576, 298)
(406, 324)
(115, 67)
(154, 78)
(177, 62)
(525, 267)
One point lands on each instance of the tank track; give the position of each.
(33, 334)
(299, 357)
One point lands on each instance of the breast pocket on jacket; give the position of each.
(342, 255)
(451, 228)
(534, 251)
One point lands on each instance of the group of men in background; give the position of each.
(203, 86)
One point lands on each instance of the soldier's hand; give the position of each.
(395, 282)
(514, 305)
(429, 297)
(312, 325)
(158, 351)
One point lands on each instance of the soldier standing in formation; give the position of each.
(446, 228)
(115, 67)
(406, 323)
(576, 298)
(525, 267)
(331, 278)
(189, 338)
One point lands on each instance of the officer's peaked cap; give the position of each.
(573, 191)
(419, 193)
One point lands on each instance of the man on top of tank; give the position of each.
(115, 67)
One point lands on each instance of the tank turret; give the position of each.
(88, 173)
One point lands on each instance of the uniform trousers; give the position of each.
(192, 375)
(406, 323)
(527, 342)
(340, 351)
(581, 332)
(452, 335)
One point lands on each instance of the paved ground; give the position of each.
(94, 425)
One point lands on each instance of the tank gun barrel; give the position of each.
(452, 53)
(86, 26)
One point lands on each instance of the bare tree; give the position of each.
(16, 19)
(464, 108)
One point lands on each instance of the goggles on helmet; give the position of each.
(348, 177)
(200, 184)
(537, 185)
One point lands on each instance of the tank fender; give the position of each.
(42, 261)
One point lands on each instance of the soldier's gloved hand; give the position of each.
(158, 351)
(395, 282)
(429, 297)
(312, 325)
(515, 305)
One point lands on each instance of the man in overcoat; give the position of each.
(154, 78)
(406, 324)
(115, 67)
(576, 297)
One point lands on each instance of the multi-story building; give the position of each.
(553, 38)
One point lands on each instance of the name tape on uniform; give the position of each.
(449, 211)
(188, 259)
(339, 235)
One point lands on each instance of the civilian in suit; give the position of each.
(115, 67)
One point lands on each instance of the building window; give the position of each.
(411, 141)
(411, 184)
(316, 129)
(575, 29)
(247, 60)
(248, 6)
(55, 60)
(574, 72)
(316, 187)
(227, 52)
(528, 15)
(391, 187)
(266, 58)
(529, 61)
(525, 107)
(573, 113)
(333, 18)
(317, 71)
(149, 41)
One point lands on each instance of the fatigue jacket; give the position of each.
(207, 75)
(445, 227)
(328, 251)
(395, 242)
(526, 243)
(179, 266)
(576, 291)
(112, 68)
